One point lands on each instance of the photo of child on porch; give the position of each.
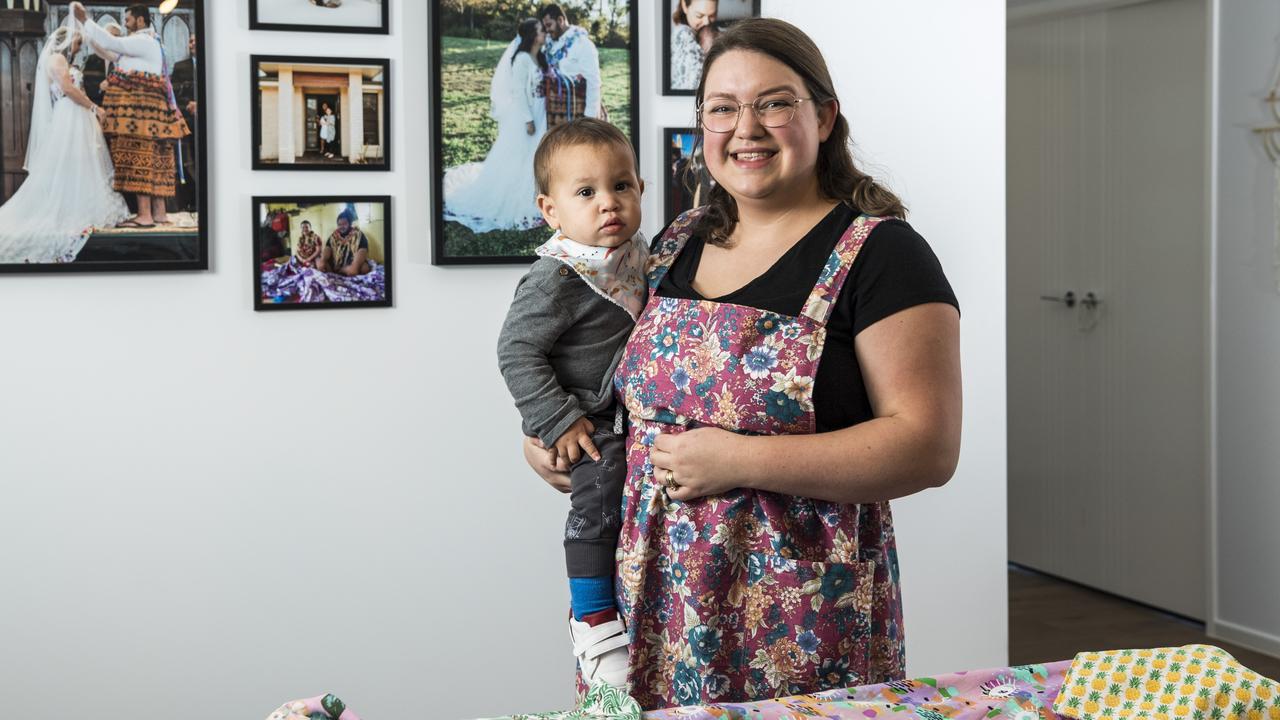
(319, 112)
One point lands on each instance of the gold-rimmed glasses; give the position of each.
(721, 114)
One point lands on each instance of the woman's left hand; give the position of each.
(700, 461)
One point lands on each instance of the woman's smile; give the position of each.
(752, 158)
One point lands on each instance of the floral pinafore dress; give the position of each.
(750, 594)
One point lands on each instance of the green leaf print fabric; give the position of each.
(601, 702)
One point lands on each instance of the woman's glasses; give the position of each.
(720, 115)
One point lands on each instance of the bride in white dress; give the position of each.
(500, 193)
(68, 191)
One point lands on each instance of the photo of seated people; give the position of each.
(316, 253)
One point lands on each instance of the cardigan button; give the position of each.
(564, 271)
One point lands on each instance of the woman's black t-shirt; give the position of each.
(895, 269)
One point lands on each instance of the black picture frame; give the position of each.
(383, 29)
(667, 8)
(257, 203)
(682, 189)
(111, 250)
(441, 251)
(256, 105)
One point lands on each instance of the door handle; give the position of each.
(1069, 299)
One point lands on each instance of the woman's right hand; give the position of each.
(530, 127)
(556, 473)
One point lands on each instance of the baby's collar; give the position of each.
(578, 249)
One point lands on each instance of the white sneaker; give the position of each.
(602, 651)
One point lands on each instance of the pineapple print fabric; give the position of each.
(1193, 682)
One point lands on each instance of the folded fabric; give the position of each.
(601, 702)
(1193, 682)
(320, 707)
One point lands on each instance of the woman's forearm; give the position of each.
(880, 459)
(77, 96)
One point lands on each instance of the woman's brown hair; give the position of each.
(838, 177)
(679, 16)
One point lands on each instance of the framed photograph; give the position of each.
(688, 29)
(340, 16)
(317, 113)
(500, 78)
(108, 174)
(685, 180)
(321, 252)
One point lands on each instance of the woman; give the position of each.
(307, 253)
(499, 193)
(68, 191)
(796, 367)
(689, 19)
(328, 129)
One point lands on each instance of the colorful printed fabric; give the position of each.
(557, 49)
(137, 104)
(1017, 693)
(566, 97)
(141, 128)
(146, 167)
(616, 274)
(601, 702)
(293, 282)
(332, 705)
(309, 247)
(345, 247)
(747, 595)
(1196, 682)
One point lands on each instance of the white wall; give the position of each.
(199, 513)
(1247, 319)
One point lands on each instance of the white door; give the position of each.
(1107, 138)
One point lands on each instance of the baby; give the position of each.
(707, 35)
(560, 343)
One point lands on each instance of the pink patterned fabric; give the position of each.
(1025, 692)
(747, 595)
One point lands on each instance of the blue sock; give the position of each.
(590, 594)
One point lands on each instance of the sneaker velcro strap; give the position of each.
(600, 639)
(600, 648)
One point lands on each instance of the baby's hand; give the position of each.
(575, 441)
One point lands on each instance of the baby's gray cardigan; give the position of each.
(558, 348)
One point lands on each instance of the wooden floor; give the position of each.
(1053, 620)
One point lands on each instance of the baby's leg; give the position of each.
(599, 636)
(591, 531)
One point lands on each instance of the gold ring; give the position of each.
(671, 481)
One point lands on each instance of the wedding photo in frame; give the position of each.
(685, 180)
(320, 113)
(103, 166)
(688, 29)
(315, 252)
(336, 16)
(501, 74)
